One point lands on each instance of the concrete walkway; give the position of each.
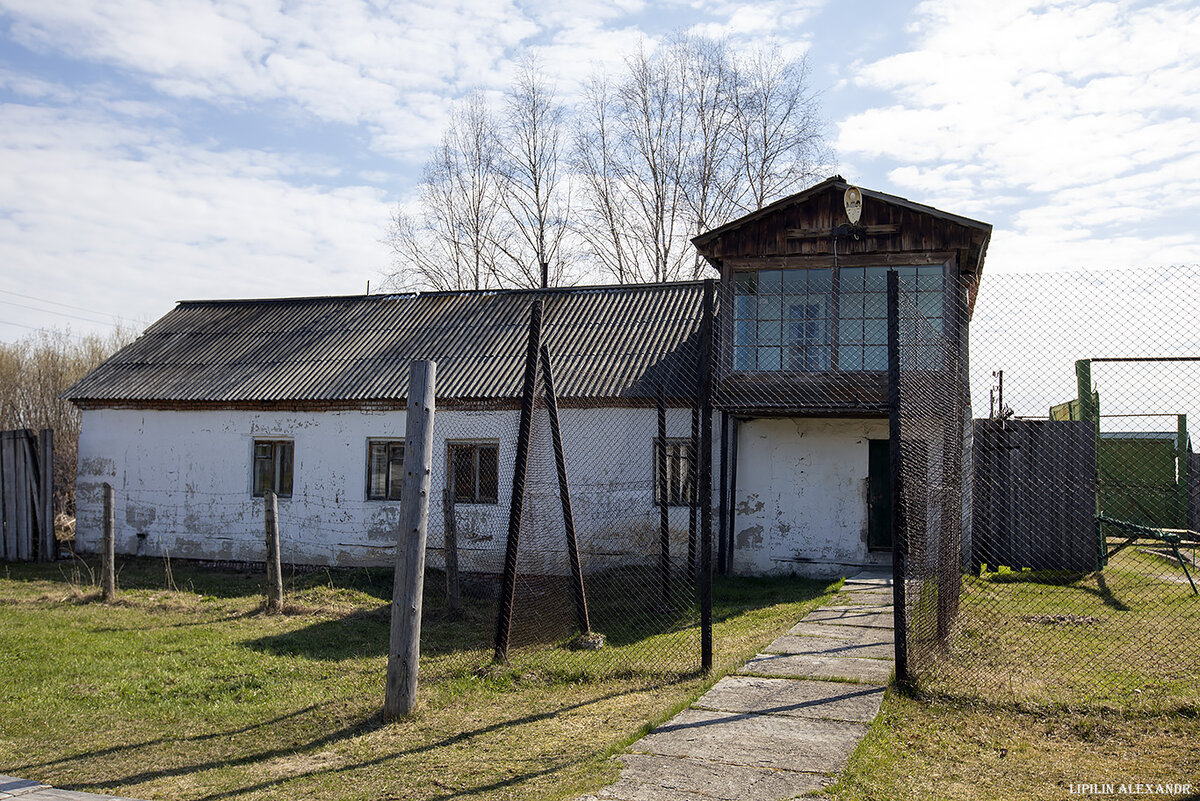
(785, 723)
(26, 790)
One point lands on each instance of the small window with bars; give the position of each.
(385, 469)
(474, 470)
(679, 471)
(272, 469)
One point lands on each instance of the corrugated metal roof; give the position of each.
(606, 342)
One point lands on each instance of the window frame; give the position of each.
(476, 497)
(390, 482)
(680, 491)
(830, 360)
(279, 446)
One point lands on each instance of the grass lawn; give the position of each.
(185, 690)
(1050, 680)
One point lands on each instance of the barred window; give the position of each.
(385, 469)
(679, 472)
(272, 468)
(474, 469)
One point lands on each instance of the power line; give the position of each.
(59, 313)
(51, 302)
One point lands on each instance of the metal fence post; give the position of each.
(704, 483)
(899, 528)
(516, 507)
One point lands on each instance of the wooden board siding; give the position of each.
(1034, 495)
(889, 229)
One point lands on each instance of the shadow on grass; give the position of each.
(627, 606)
(1105, 594)
(967, 701)
(363, 726)
(198, 738)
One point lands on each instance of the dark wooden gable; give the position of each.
(804, 230)
(811, 230)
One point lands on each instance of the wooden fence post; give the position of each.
(450, 546)
(108, 555)
(404, 649)
(274, 571)
(48, 543)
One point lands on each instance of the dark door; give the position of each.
(879, 495)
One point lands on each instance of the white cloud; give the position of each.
(131, 219)
(346, 62)
(1086, 110)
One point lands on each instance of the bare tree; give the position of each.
(452, 241)
(602, 220)
(532, 190)
(708, 86)
(678, 141)
(631, 147)
(778, 135)
(34, 371)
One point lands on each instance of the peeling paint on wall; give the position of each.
(801, 505)
(750, 537)
(193, 499)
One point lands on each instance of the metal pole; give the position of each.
(733, 474)
(564, 493)
(704, 485)
(404, 647)
(723, 513)
(694, 496)
(664, 531)
(508, 586)
(899, 523)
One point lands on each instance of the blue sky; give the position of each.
(155, 151)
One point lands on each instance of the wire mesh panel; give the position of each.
(927, 428)
(1065, 572)
(570, 527)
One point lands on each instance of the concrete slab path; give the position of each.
(26, 790)
(785, 723)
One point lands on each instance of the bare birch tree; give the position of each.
(532, 188)
(452, 241)
(680, 141)
(638, 195)
(778, 136)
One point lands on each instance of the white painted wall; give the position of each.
(801, 503)
(183, 486)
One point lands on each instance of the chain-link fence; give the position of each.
(1049, 545)
(566, 529)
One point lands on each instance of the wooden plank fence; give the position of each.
(27, 496)
(1034, 495)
